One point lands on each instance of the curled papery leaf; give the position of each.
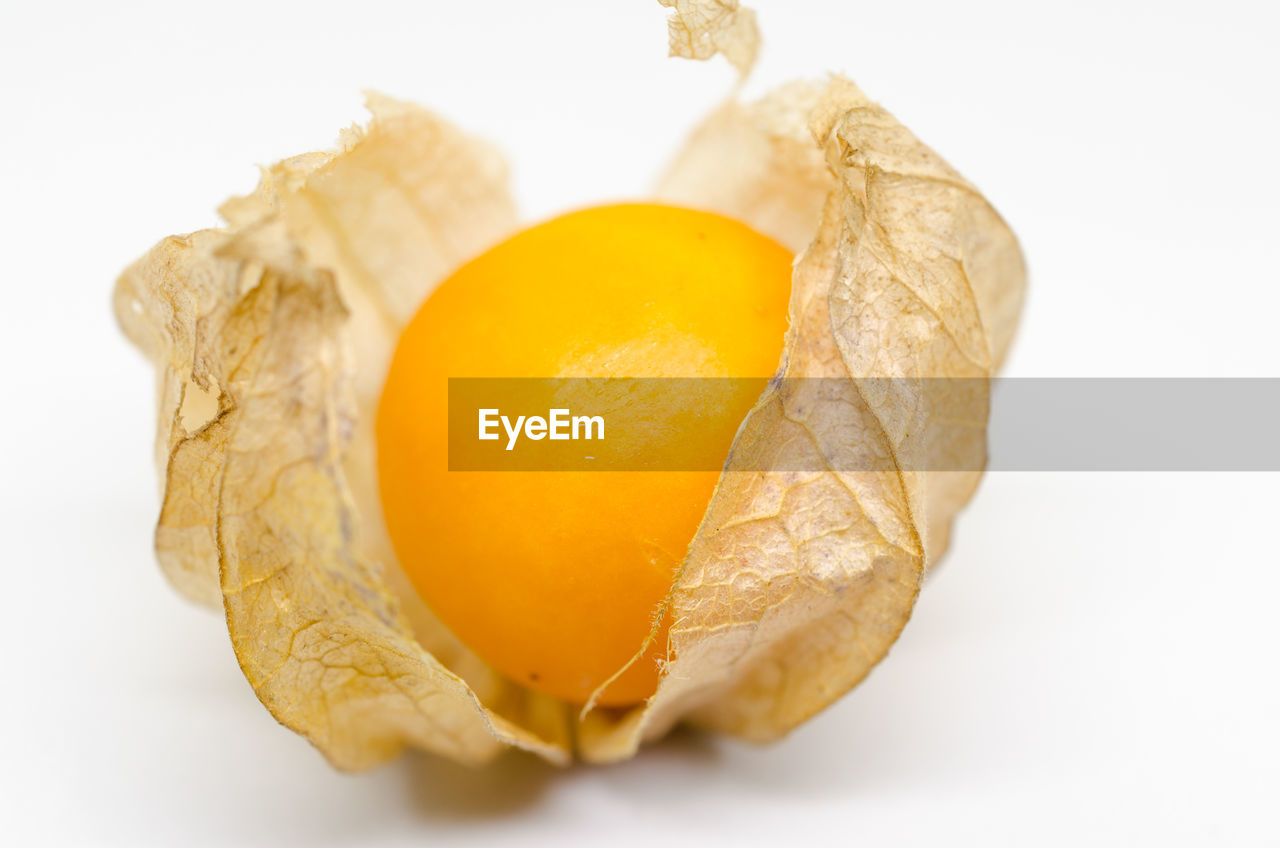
(699, 29)
(258, 511)
(797, 584)
(271, 338)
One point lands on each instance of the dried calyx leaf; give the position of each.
(699, 29)
(271, 338)
(287, 318)
(797, 584)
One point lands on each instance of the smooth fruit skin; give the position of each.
(555, 577)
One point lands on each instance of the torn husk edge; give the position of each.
(259, 507)
(271, 338)
(797, 584)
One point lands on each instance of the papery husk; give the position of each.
(287, 318)
(797, 584)
(699, 29)
(271, 339)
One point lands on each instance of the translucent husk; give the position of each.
(271, 337)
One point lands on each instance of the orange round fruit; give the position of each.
(556, 578)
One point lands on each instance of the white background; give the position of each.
(1095, 661)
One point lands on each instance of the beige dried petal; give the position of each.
(797, 584)
(699, 29)
(392, 213)
(271, 339)
(257, 511)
